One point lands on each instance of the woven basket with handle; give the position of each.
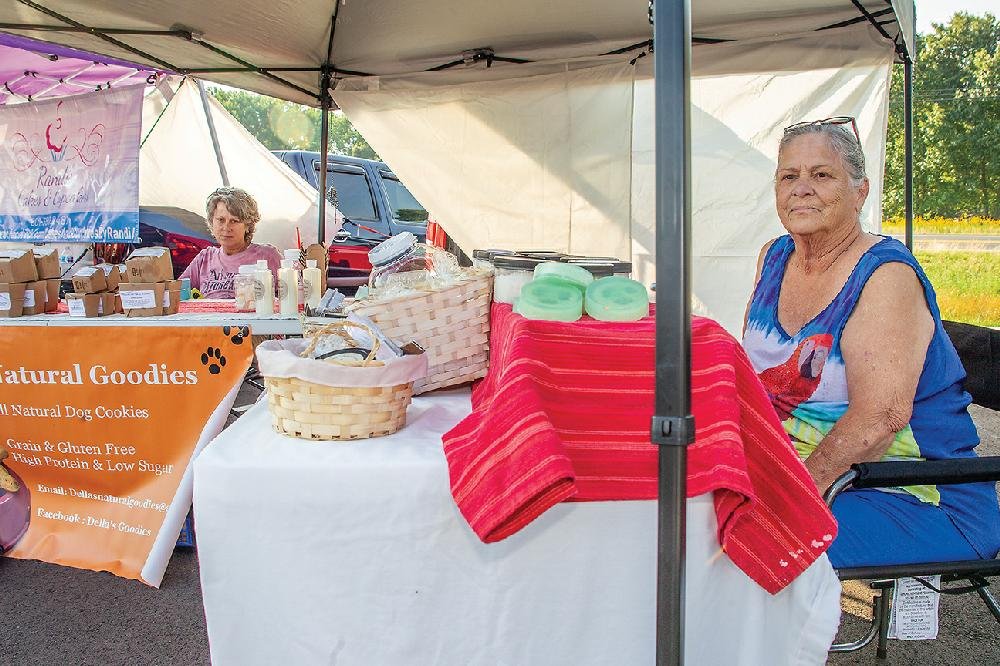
(310, 410)
(451, 324)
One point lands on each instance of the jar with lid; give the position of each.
(483, 259)
(602, 267)
(399, 263)
(245, 288)
(510, 274)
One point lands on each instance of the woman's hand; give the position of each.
(884, 345)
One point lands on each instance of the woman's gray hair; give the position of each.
(843, 142)
(239, 203)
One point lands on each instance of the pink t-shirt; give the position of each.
(212, 271)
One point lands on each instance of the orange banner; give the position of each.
(98, 428)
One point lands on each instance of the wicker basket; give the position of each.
(314, 411)
(452, 325)
(344, 408)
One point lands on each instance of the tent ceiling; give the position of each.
(290, 38)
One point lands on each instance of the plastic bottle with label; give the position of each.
(288, 287)
(312, 284)
(264, 288)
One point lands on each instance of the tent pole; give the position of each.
(908, 147)
(212, 133)
(673, 425)
(324, 138)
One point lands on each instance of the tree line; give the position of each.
(956, 120)
(956, 113)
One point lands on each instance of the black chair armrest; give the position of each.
(893, 473)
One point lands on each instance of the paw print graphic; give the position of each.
(237, 333)
(214, 359)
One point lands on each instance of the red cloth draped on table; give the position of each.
(565, 412)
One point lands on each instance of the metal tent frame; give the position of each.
(672, 425)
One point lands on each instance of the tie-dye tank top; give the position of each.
(805, 378)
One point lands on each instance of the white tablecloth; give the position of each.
(354, 553)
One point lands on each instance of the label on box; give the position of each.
(29, 298)
(100, 306)
(140, 298)
(166, 299)
(76, 307)
(86, 271)
(4, 301)
(12, 254)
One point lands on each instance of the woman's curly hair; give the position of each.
(239, 203)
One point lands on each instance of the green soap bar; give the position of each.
(551, 299)
(571, 273)
(616, 298)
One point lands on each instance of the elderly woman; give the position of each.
(232, 219)
(844, 330)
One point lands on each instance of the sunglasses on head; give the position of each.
(836, 120)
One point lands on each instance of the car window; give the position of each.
(404, 206)
(353, 194)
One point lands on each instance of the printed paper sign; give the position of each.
(914, 610)
(76, 308)
(99, 426)
(69, 168)
(139, 298)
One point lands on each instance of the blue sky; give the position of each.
(939, 11)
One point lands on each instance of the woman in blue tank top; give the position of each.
(845, 333)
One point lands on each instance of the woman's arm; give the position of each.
(194, 269)
(760, 268)
(884, 345)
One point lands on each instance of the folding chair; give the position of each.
(979, 349)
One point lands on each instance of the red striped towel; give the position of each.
(565, 412)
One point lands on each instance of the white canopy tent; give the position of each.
(747, 52)
(178, 165)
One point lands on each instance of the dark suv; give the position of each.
(375, 205)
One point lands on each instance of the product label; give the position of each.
(100, 306)
(76, 308)
(166, 298)
(143, 298)
(282, 290)
(87, 271)
(4, 301)
(29, 298)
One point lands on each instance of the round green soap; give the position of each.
(571, 273)
(616, 298)
(551, 299)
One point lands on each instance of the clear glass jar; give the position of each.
(399, 263)
(510, 274)
(245, 288)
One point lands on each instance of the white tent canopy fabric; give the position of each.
(178, 167)
(565, 161)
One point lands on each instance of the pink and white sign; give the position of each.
(69, 168)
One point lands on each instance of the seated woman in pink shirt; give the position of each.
(232, 219)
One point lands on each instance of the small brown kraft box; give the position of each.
(11, 299)
(171, 296)
(150, 264)
(107, 304)
(47, 263)
(84, 305)
(112, 276)
(142, 299)
(122, 273)
(18, 266)
(35, 294)
(89, 280)
(52, 295)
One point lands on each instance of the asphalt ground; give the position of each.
(52, 615)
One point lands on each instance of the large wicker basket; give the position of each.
(451, 324)
(346, 399)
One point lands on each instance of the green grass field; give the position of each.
(967, 285)
(943, 225)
